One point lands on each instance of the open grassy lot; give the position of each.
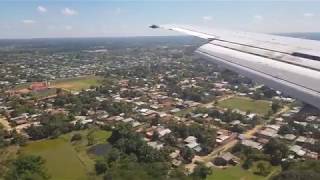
(232, 173)
(237, 172)
(77, 84)
(66, 160)
(247, 104)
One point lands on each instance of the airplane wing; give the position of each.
(290, 65)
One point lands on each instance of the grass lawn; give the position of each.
(77, 84)
(232, 173)
(247, 104)
(66, 160)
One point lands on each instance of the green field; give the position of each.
(77, 84)
(247, 104)
(66, 160)
(237, 172)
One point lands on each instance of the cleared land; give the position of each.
(66, 160)
(77, 84)
(247, 104)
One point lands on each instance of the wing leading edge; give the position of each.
(290, 65)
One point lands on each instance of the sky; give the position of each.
(103, 18)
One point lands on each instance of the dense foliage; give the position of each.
(27, 168)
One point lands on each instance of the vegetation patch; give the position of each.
(261, 107)
(231, 173)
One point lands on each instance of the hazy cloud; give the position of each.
(68, 27)
(258, 17)
(28, 21)
(118, 11)
(42, 9)
(207, 18)
(69, 12)
(308, 14)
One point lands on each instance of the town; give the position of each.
(142, 101)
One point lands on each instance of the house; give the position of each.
(235, 122)
(311, 118)
(226, 159)
(267, 133)
(135, 124)
(191, 142)
(312, 155)
(155, 145)
(175, 110)
(298, 150)
(252, 144)
(274, 126)
(301, 140)
(222, 138)
(289, 137)
(163, 131)
(127, 120)
(190, 139)
(22, 119)
(174, 154)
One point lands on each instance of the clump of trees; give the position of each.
(201, 172)
(27, 168)
(277, 150)
(52, 125)
(116, 108)
(309, 169)
(127, 141)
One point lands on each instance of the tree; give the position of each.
(59, 91)
(27, 168)
(100, 166)
(247, 163)
(90, 138)
(201, 171)
(277, 150)
(187, 154)
(263, 168)
(275, 106)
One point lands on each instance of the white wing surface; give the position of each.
(290, 65)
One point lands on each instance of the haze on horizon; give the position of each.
(48, 18)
